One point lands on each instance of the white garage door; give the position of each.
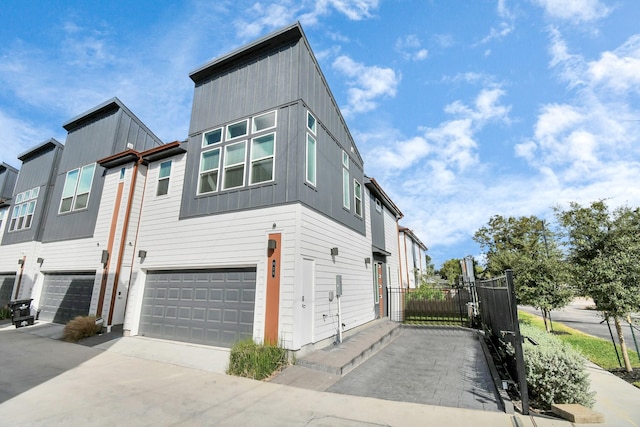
(65, 296)
(213, 307)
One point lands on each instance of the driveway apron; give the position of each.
(431, 365)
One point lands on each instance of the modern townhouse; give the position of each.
(412, 260)
(256, 226)
(8, 176)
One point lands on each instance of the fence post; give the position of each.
(522, 376)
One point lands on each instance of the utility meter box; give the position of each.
(338, 285)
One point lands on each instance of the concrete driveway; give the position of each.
(435, 366)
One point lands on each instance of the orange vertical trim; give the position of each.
(123, 240)
(24, 259)
(272, 312)
(112, 232)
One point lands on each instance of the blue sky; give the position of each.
(461, 109)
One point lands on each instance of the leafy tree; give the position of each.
(604, 250)
(450, 270)
(526, 246)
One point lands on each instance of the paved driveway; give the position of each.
(435, 366)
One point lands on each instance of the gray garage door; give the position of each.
(6, 287)
(213, 307)
(65, 296)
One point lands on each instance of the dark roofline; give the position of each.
(411, 234)
(111, 104)
(39, 148)
(5, 166)
(268, 42)
(373, 185)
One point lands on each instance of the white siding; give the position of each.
(9, 256)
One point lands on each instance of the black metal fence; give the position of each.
(442, 305)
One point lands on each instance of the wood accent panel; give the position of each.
(272, 312)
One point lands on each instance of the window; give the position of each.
(311, 123)
(234, 158)
(213, 137)
(311, 160)
(209, 167)
(265, 121)
(357, 197)
(262, 155)
(163, 178)
(378, 205)
(237, 130)
(22, 215)
(3, 214)
(77, 186)
(345, 181)
(122, 173)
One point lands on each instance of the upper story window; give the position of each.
(209, 171)
(262, 158)
(264, 121)
(77, 187)
(236, 130)
(311, 122)
(357, 197)
(163, 178)
(234, 159)
(310, 163)
(346, 199)
(3, 214)
(22, 214)
(213, 137)
(123, 171)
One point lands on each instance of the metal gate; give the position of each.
(213, 307)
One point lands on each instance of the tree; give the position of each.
(527, 246)
(451, 270)
(604, 250)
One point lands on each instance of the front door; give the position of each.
(307, 302)
(380, 283)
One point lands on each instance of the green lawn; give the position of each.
(595, 349)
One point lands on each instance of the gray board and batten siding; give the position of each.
(98, 133)
(278, 72)
(8, 177)
(377, 225)
(39, 168)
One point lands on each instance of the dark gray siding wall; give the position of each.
(7, 183)
(377, 225)
(103, 136)
(37, 171)
(253, 85)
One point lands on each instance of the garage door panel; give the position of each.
(213, 307)
(66, 296)
(6, 288)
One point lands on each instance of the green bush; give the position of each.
(256, 361)
(555, 371)
(5, 313)
(81, 327)
(426, 291)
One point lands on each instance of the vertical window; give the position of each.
(311, 123)
(122, 173)
(234, 158)
(209, 168)
(163, 178)
(264, 121)
(237, 130)
(262, 155)
(311, 160)
(22, 215)
(213, 137)
(346, 199)
(3, 213)
(77, 187)
(357, 197)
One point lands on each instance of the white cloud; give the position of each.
(367, 84)
(618, 70)
(411, 48)
(18, 136)
(576, 11)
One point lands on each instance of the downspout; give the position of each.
(24, 259)
(123, 239)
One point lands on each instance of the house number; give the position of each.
(273, 268)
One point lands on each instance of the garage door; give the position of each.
(65, 296)
(6, 288)
(213, 307)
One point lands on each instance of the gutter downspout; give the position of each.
(24, 259)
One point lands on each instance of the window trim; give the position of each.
(228, 137)
(164, 178)
(204, 137)
(252, 160)
(357, 200)
(225, 167)
(307, 162)
(75, 195)
(346, 185)
(201, 172)
(315, 123)
(275, 121)
(21, 216)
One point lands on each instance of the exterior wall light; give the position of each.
(334, 251)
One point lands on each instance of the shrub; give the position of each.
(5, 313)
(256, 361)
(555, 371)
(81, 327)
